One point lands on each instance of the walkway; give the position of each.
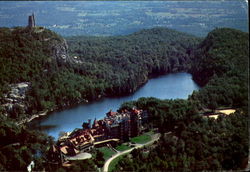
(105, 141)
(155, 137)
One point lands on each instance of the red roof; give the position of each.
(136, 111)
(110, 113)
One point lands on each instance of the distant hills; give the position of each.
(107, 18)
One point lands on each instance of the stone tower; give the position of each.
(31, 21)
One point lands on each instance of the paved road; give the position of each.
(106, 165)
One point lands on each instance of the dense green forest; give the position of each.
(96, 66)
(126, 62)
(221, 63)
(19, 146)
(111, 66)
(197, 143)
(189, 141)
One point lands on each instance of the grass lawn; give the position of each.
(114, 162)
(122, 147)
(141, 139)
(107, 152)
(149, 133)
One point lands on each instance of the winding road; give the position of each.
(155, 137)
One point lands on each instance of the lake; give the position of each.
(171, 86)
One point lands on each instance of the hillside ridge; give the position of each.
(62, 72)
(40, 72)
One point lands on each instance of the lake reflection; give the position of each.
(171, 86)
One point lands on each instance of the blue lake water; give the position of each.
(171, 86)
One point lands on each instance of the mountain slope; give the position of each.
(115, 65)
(190, 141)
(126, 62)
(26, 52)
(96, 66)
(221, 63)
(111, 66)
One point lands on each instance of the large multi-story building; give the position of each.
(119, 126)
(123, 125)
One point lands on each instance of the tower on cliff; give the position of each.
(31, 21)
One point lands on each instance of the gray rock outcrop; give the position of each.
(60, 51)
(16, 96)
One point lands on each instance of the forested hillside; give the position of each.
(109, 66)
(189, 141)
(19, 146)
(221, 63)
(94, 67)
(126, 62)
(27, 55)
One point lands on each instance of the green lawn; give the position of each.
(107, 152)
(114, 162)
(122, 147)
(141, 139)
(150, 133)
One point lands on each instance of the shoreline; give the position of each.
(86, 101)
(44, 113)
